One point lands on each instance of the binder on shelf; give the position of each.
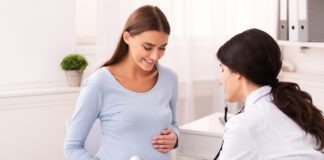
(293, 20)
(310, 20)
(303, 27)
(283, 20)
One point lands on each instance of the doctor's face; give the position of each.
(230, 83)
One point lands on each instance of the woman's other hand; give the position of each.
(166, 141)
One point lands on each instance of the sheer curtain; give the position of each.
(198, 29)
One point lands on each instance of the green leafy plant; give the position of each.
(74, 62)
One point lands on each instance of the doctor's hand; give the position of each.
(166, 141)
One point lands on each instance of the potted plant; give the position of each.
(74, 65)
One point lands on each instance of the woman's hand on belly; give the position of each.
(166, 141)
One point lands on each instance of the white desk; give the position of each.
(201, 139)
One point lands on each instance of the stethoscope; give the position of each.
(225, 99)
(225, 120)
(225, 114)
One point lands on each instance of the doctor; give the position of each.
(279, 120)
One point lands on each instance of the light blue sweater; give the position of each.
(128, 120)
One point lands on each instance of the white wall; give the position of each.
(86, 19)
(35, 35)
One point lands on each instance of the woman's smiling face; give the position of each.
(147, 48)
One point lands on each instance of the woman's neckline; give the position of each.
(131, 91)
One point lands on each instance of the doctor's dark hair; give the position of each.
(145, 18)
(255, 55)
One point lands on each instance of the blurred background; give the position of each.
(35, 36)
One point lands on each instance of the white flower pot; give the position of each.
(73, 77)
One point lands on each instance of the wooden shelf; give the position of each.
(302, 45)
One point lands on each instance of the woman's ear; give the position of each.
(237, 75)
(126, 37)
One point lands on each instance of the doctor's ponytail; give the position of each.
(298, 105)
(256, 55)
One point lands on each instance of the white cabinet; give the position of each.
(33, 122)
(201, 139)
